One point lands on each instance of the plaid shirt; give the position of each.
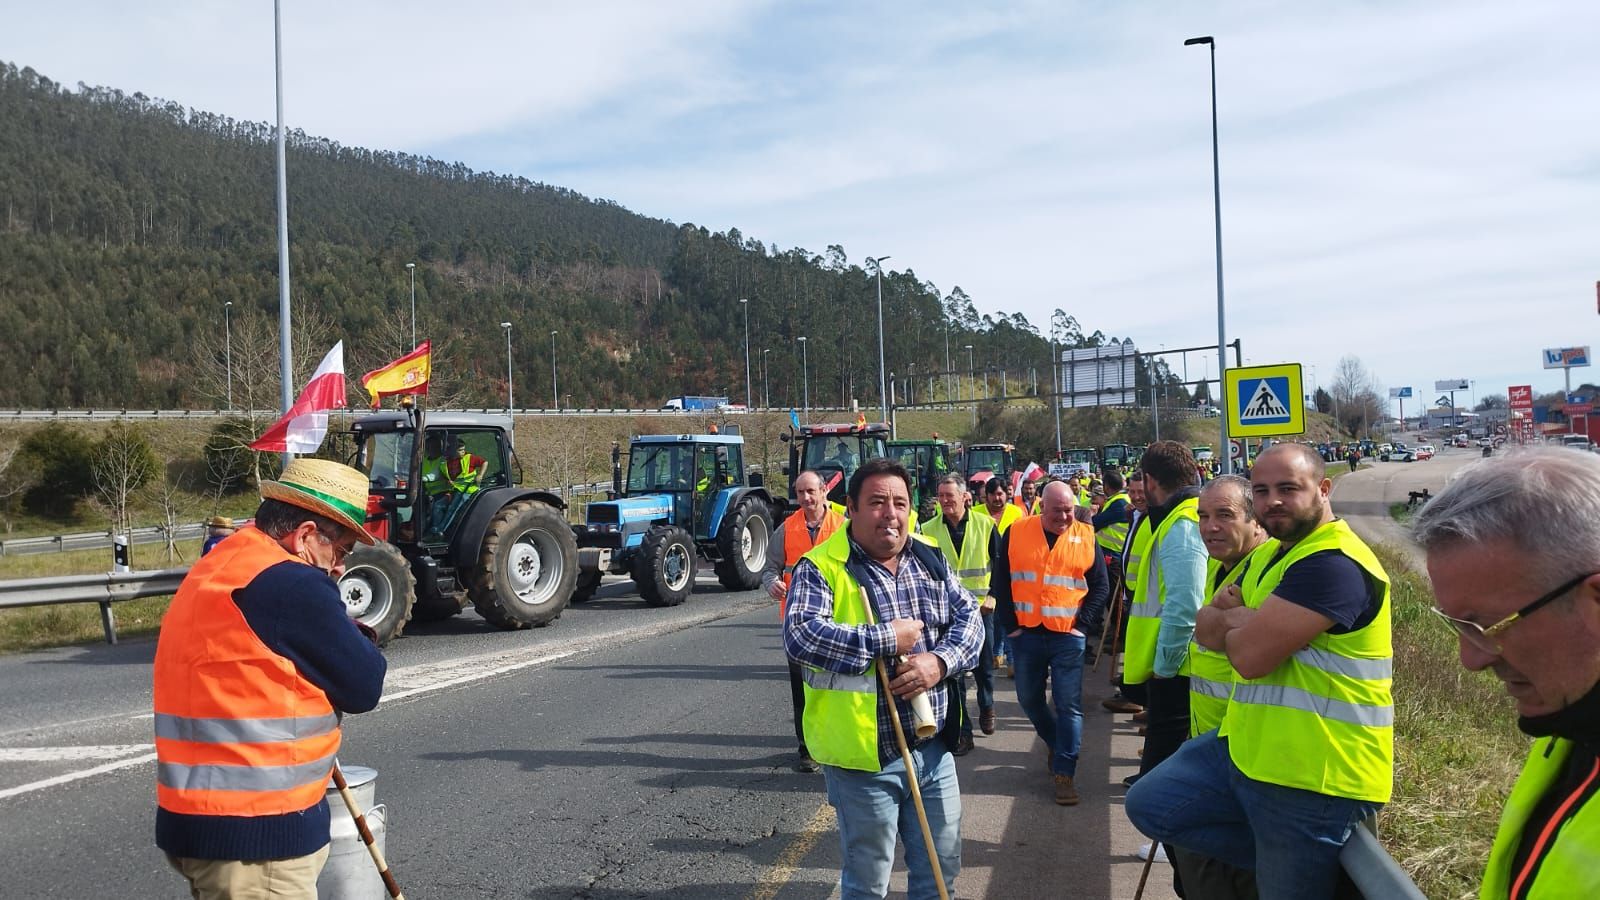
(953, 629)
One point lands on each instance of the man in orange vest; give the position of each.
(1048, 577)
(255, 665)
(811, 525)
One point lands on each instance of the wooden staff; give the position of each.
(1145, 875)
(366, 834)
(1114, 627)
(911, 776)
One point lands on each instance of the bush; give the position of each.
(230, 463)
(64, 460)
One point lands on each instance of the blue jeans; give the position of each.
(1060, 724)
(874, 807)
(983, 676)
(1198, 800)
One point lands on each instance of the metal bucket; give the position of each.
(350, 873)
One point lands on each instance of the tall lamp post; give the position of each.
(412, 268)
(510, 393)
(972, 383)
(766, 386)
(883, 384)
(744, 304)
(555, 396)
(805, 378)
(1216, 204)
(227, 346)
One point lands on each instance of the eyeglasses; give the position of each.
(1485, 638)
(340, 551)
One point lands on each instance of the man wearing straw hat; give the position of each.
(863, 597)
(255, 665)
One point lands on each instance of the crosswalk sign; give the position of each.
(1261, 401)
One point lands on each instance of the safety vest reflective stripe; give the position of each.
(1326, 707)
(1208, 688)
(972, 564)
(971, 573)
(1148, 609)
(243, 778)
(1060, 612)
(823, 680)
(1047, 582)
(1144, 616)
(1113, 536)
(242, 731)
(1211, 675)
(1024, 577)
(1138, 544)
(1067, 581)
(1334, 664)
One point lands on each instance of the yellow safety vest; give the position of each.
(1134, 564)
(1322, 721)
(972, 564)
(1211, 676)
(1144, 617)
(841, 711)
(1562, 863)
(1113, 537)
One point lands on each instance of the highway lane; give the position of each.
(1363, 497)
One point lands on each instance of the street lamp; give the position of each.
(766, 387)
(509, 391)
(744, 304)
(412, 268)
(972, 382)
(227, 345)
(805, 378)
(883, 386)
(1216, 201)
(555, 396)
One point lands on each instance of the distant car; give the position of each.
(1383, 449)
(1485, 442)
(1405, 456)
(1424, 451)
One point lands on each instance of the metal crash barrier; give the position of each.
(104, 588)
(1374, 871)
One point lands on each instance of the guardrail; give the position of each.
(104, 589)
(95, 540)
(1374, 871)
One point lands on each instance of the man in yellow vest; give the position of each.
(1048, 576)
(450, 478)
(1306, 748)
(1171, 590)
(1129, 698)
(814, 522)
(255, 666)
(866, 597)
(1230, 530)
(997, 503)
(969, 543)
(1513, 548)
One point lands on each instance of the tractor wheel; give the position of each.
(588, 583)
(378, 589)
(742, 543)
(527, 568)
(665, 566)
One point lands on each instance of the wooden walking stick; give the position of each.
(1145, 875)
(911, 776)
(366, 834)
(1113, 627)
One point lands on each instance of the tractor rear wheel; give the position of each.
(527, 568)
(588, 583)
(665, 567)
(742, 543)
(378, 589)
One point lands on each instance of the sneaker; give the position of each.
(1144, 851)
(1066, 791)
(807, 765)
(986, 721)
(1120, 704)
(964, 745)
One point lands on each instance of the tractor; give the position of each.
(985, 461)
(834, 452)
(1082, 460)
(928, 461)
(453, 526)
(686, 496)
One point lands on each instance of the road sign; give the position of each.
(1566, 357)
(1236, 449)
(1521, 396)
(1452, 384)
(1400, 393)
(1259, 401)
(1443, 402)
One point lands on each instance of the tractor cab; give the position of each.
(928, 461)
(423, 494)
(986, 461)
(834, 452)
(1079, 460)
(690, 475)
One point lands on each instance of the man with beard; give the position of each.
(1306, 747)
(1513, 548)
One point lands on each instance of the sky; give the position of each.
(1416, 184)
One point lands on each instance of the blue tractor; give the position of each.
(686, 497)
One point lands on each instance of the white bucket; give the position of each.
(350, 873)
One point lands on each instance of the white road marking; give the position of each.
(64, 754)
(74, 776)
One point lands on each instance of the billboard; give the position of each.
(1520, 396)
(1566, 357)
(1099, 376)
(1400, 393)
(1452, 384)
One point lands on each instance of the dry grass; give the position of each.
(1457, 749)
(36, 627)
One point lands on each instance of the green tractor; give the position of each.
(453, 526)
(927, 461)
(686, 496)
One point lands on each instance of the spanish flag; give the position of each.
(406, 375)
(861, 420)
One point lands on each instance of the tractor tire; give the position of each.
(742, 544)
(665, 567)
(378, 589)
(527, 568)
(588, 583)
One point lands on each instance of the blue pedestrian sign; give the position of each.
(1261, 401)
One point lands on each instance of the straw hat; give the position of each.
(326, 488)
(219, 522)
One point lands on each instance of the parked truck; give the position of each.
(696, 404)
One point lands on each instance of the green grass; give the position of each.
(36, 627)
(1401, 512)
(1457, 748)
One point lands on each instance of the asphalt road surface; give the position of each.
(1363, 497)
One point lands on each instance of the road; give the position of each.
(623, 752)
(1363, 497)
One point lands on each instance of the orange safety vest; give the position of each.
(239, 731)
(797, 542)
(1049, 583)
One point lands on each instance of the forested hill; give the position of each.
(129, 224)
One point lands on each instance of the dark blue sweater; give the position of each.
(296, 611)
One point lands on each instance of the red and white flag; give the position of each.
(303, 427)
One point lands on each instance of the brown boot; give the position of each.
(1066, 791)
(986, 721)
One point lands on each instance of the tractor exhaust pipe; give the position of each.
(616, 470)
